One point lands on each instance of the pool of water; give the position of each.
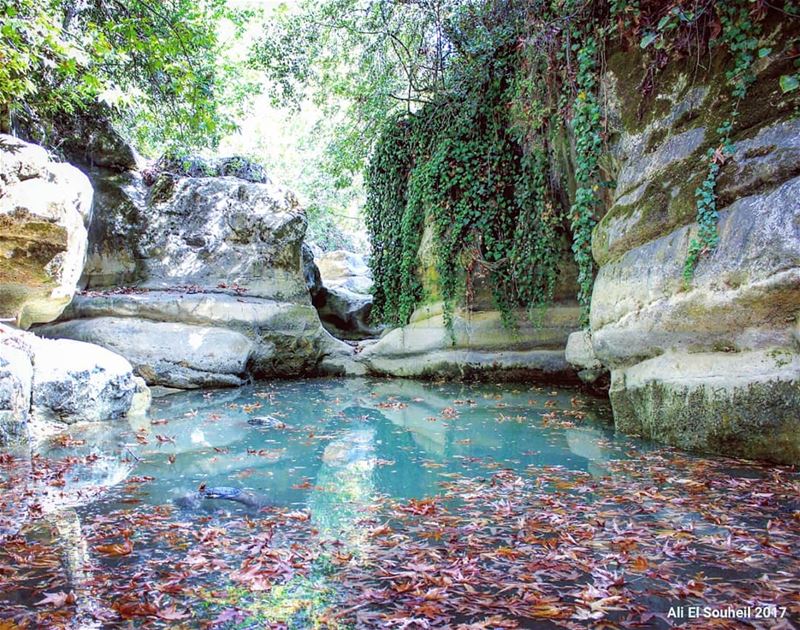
(345, 481)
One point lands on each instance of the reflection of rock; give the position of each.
(345, 488)
(44, 209)
(355, 446)
(585, 442)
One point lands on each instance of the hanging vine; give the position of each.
(740, 35)
(475, 165)
(586, 125)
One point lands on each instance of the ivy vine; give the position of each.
(475, 165)
(740, 34)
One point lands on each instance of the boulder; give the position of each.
(199, 283)
(94, 384)
(40, 388)
(344, 301)
(45, 207)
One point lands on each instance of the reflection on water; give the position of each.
(345, 443)
(357, 436)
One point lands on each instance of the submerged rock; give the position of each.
(270, 422)
(45, 207)
(197, 500)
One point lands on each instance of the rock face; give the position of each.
(45, 207)
(481, 345)
(344, 301)
(199, 282)
(711, 364)
(580, 354)
(16, 379)
(45, 381)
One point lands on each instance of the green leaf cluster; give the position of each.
(158, 65)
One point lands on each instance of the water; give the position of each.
(349, 459)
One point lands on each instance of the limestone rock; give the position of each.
(45, 382)
(344, 300)
(580, 354)
(16, 378)
(710, 364)
(200, 285)
(343, 269)
(738, 403)
(75, 381)
(44, 209)
(481, 345)
(167, 353)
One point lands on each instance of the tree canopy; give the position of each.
(159, 65)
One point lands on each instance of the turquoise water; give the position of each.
(352, 479)
(408, 435)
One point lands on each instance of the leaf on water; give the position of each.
(116, 549)
(57, 599)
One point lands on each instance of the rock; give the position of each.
(311, 272)
(710, 364)
(44, 209)
(94, 385)
(348, 270)
(16, 379)
(142, 398)
(482, 346)
(86, 138)
(739, 403)
(114, 256)
(167, 353)
(580, 354)
(269, 422)
(203, 285)
(344, 301)
(45, 382)
(345, 314)
(195, 166)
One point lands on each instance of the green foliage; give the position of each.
(586, 124)
(468, 165)
(159, 66)
(740, 35)
(393, 259)
(459, 102)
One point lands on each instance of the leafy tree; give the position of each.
(158, 64)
